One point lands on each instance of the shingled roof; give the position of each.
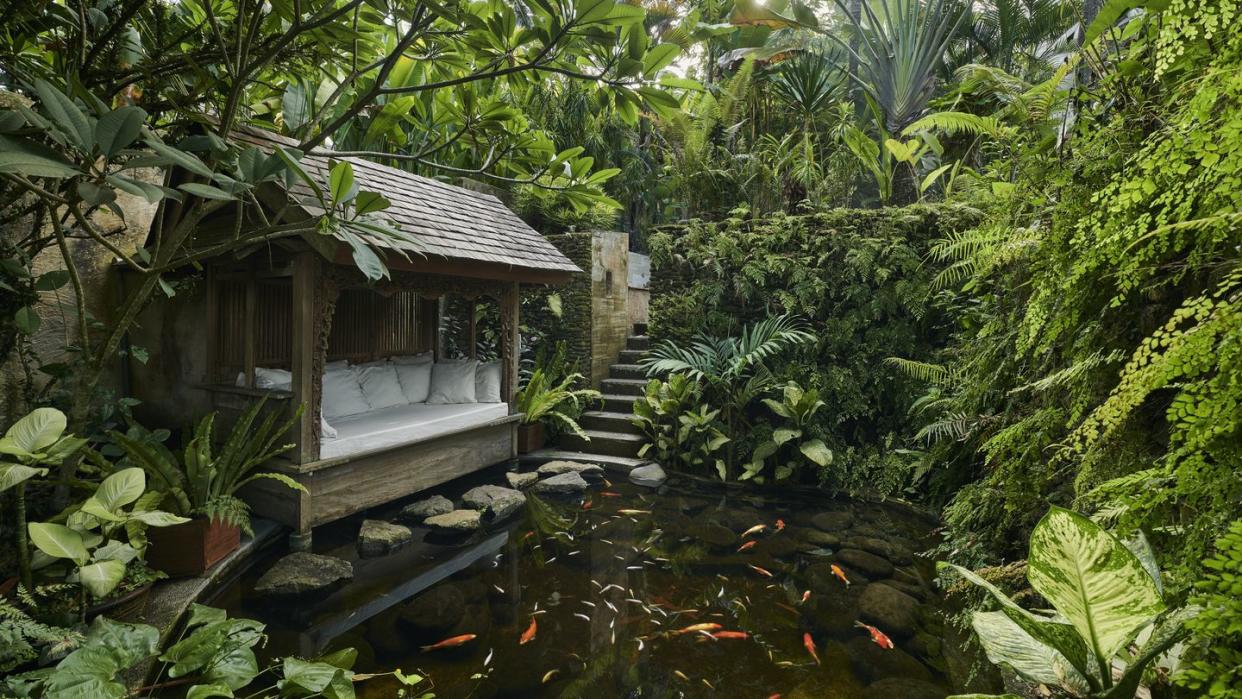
(450, 222)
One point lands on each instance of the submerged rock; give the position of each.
(568, 483)
(427, 507)
(521, 481)
(556, 468)
(650, 476)
(820, 578)
(874, 663)
(819, 539)
(301, 573)
(433, 614)
(868, 564)
(457, 521)
(890, 609)
(713, 534)
(905, 688)
(833, 521)
(831, 683)
(378, 537)
(495, 501)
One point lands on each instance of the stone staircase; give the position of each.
(609, 429)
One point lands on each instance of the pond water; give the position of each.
(626, 590)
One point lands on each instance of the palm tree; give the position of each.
(731, 370)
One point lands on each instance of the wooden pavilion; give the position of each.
(299, 305)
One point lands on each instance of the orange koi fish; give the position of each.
(775, 696)
(610, 494)
(586, 504)
(529, 634)
(806, 596)
(877, 635)
(809, 644)
(746, 545)
(780, 524)
(731, 634)
(695, 628)
(451, 642)
(754, 530)
(836, 570)
(762, 571)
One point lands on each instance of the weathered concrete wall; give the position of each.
(175, 336)
(610, 316)
(640, 287)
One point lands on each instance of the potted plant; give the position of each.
(541, 403)
(202, 485)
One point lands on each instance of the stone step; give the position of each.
(618, 403)
(603, 442)
(624, 387)
(631, 356)
(621, 464)
(627, 371)
(638, 342)
(640, 328)
(608, 421)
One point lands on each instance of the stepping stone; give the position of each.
(521, 481)
(650, 476)
(378, 537)
(868, 564)
(565, 484)
(456, 522)
(833, 521)
(556, 468)
(892, 610)
(427, 507)
(302, 573)
(495, 501)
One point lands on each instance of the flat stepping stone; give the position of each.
(455, 522)
(303, 573)
(556, 468)
(869, 564)
(377, 537)
(650, 476)
(521, 481)
(565, 484)
(427, 507)
(495, 501)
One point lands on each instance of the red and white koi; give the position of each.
(877, 636)
(452, 642)
(809, 644)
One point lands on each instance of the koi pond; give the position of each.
(618, 590)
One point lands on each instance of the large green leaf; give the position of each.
(1092, 579)
(307, 678)
(1007, 644)
(121, 488)
(34, 433)
(58, 541)
(816, 451)
(342, 185)
(20, 156)
(65, 113)
(12, 474)
(101, 578)
(118, 129)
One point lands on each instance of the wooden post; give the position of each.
(305, 343)
(510, 342)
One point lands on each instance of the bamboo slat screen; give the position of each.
(230, 329)
(369, 325)
(273, 317)
(270, 327)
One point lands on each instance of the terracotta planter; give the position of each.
(530, 437)
(190, 549)
(127, 607)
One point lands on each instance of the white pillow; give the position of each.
(415, 380)
(487, 382)
(380, 385)
(421, 358)
(326, 431)
(275, 379)
(335, 365)
(342, 395)
(452, 381)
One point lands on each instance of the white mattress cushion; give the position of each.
(380, 385)
(326, 431)
(342, 395)
(275, 379)
(415, 378)
(392, 427)
(452, 381)
(487, 382)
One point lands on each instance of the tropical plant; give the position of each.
(791, 444)
(35, 442)
(100, 537)
(1213, 664)
(539, 400)
(731, 370)
(204, 482)
(1108, 595)
(681, 430)
(24, 639)
(214, 656)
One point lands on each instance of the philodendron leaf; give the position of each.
(1007, 644)
(101, 578)
(1092, 579)
(121, 488)
(816, 451)
(35, 432)
(12, 474)
(58, 541)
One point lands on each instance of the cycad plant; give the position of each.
(731, 370)
(204, 481)
(556, 405)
